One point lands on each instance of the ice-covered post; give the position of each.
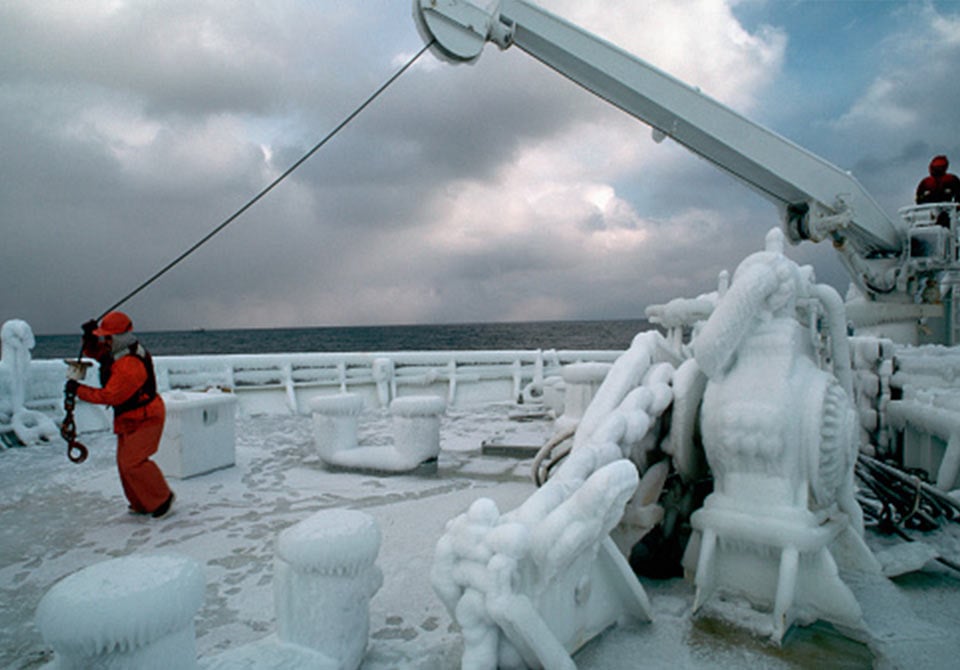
(383, 374)
(16, 341)
(324, 577)
(131, 612)
(416, 427)
(335, 419)
(581, 381)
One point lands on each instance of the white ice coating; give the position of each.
(416, 433)
(771, 397)
(781, 437)
(324, 577)
(16, 341)
(580, 381)
(136, 611)
(340, 404)
(335, 423)
(414, 406)
(199, 433)
(928, 411)
(760, 395)
(531, 586)
(30, 426)
(383, 370)
(334, 541)
(528, 594)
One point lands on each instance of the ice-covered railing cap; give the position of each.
(336, 540)
(121, 604)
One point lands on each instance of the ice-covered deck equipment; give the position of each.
(199, 433)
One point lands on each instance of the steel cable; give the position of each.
(383, 87)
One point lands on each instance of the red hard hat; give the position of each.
(114, 323)
(939, 162)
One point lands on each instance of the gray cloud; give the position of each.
(484, 192)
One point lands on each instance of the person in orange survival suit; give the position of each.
(130, 387)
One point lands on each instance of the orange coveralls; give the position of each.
(138, 433)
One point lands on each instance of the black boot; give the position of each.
(164, 507)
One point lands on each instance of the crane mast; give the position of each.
(816, 199)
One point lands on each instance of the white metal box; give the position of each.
(199, 434)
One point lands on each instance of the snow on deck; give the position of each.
(56, 518)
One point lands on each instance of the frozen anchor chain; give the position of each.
(76, 452)
(530, 587)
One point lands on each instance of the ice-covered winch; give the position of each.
(781, 438)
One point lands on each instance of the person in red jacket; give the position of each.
(940, 186)
(128, 384)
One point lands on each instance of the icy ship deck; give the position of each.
(56, 518)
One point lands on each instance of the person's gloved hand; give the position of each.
(72, 386)
(89, 327)
(76, 370)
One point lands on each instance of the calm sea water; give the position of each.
(608, 335)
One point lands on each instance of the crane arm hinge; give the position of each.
(461, 28)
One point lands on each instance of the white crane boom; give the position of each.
(816, 199)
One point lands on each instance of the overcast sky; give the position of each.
(492, 192)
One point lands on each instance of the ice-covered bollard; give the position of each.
(324, 577)
(134, 612)
(335, 419)
(416, 427)
(581, 381)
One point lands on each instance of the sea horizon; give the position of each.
(599, 334)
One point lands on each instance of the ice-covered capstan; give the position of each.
(781, 438)
(16, 342)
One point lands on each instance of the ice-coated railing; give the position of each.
(285, 383)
